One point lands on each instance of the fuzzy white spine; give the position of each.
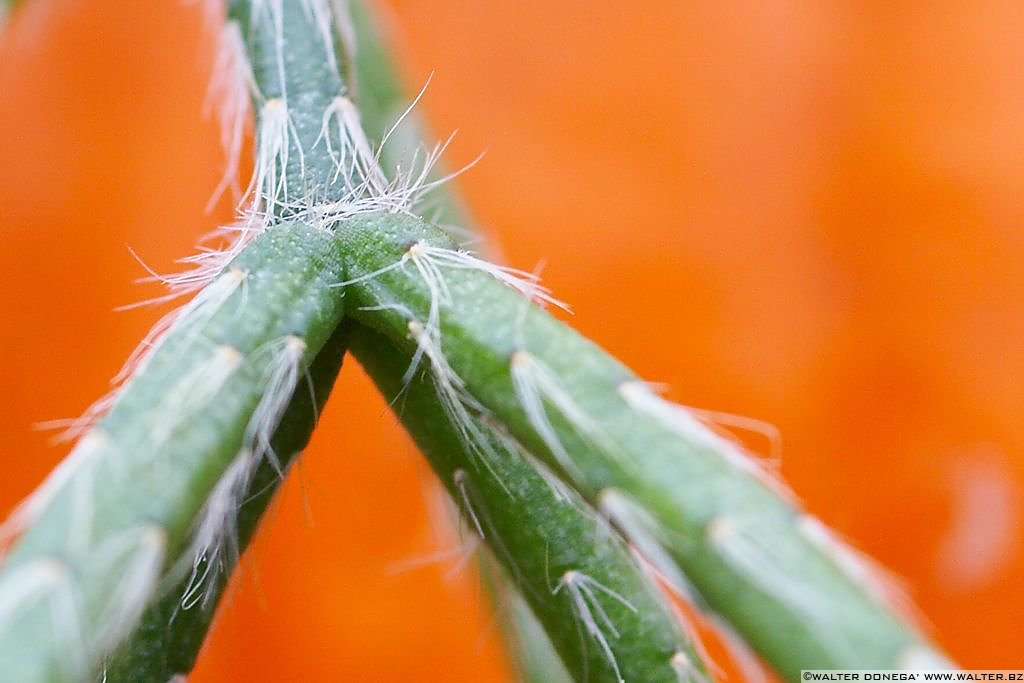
(536, 386)
(681, 422)
(584, 598)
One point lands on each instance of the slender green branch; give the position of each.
(107, 527)
(290, 46)
(605, 618)
(169, 638)
(746, 552)
(148, 498)
(385, 112)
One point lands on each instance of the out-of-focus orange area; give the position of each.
(809, 213)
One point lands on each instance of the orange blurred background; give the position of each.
(805, 212)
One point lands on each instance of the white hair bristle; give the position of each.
(191, 316)
(562, 492)
(522, 281)
(194, 392)
(47, 580)
(282, 361)
(367, 189)
(137, 556)
(456, 544)
(412, 182)
(343, 25)
(320, 13)
(80, 461)
(640, 530)
(273, 11)
(72, 428)
(918, 656)
(731, 421)
(459, 479)
(458, 557)
(756, 556)
(680, 421)
(584, 597)
(456, 401)
(273, 150)
(215, 544)
(230, 95)
(134, 555)
(686, 669)
(216, 289)
(535, 386)
(355, 163)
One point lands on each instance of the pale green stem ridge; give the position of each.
(751, 556)
(603, 614)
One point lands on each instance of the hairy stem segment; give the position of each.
(148, 498)
(604, 616)
(282, 55)
(745, 551)
(290, 47)
(387, 116)
(157, 478)
(168, 640)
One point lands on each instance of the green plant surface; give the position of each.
(290, 49)
(111, 523)
(387, 116)
(605, 618)
(167, 641)
(746, 552)
(147, 499)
